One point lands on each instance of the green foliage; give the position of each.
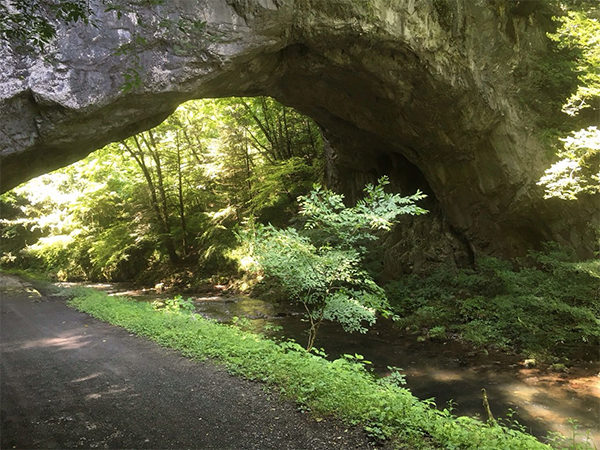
(342, 388)
(333, 224)
(548, 306)
(396, 377)
(16, 230)
(85, 221)
(132, 77)
(176, 305)
(578, 170)
(271, 155)
(275, 188)
(30, 24)
(168, 199)
(328, 282)
(438, 332)
(579, 31)
(320, 265)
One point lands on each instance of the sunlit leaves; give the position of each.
(578, 170)
(579, 31)
(348, 307)
(320, 264)
(326, 213)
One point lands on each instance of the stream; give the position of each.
(450, 371)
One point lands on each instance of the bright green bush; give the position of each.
(340, 388)
(320, 265)
(175, 305)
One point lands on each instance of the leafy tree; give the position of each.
(578, 170)
(163, 202)
(17, 230)
(275, 187)
(273, 151)
(319, 265)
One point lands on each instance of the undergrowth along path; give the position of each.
(340, 388)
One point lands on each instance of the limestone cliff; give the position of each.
(426, 91)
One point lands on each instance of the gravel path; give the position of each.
(68, 380)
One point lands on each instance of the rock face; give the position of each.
(426, 91)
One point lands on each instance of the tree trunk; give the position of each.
(184, 243)
(162, 215)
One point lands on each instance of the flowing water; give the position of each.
(544, 401)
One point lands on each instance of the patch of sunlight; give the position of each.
(247, 262)
(534, 401)
(223, 213)
(130, 293)
(113, 391)
(587, 385)
(214, 166)
(49, 189)
(591, 267)
(89, 377)
(523, 392)
(582, 385)
(63, 343)
(446, 375)
(32, 293)
(99, 285)
(58, 219)
(60, 240)
(209, 298)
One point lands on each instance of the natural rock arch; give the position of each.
(425, 91)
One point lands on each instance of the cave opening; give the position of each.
(177, 191)
(418, 84)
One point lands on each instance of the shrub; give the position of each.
(547, 304)
(319, 266)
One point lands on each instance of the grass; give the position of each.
(29, 274)
(342, 388)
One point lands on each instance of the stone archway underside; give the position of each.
(423, 91)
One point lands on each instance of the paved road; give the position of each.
(68, 380)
